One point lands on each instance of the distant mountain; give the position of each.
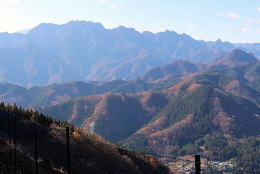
(250, 47)
(177, 68)
(241, 76)
(80, 51)
(244, 75)
(88, 152)
(236, 58)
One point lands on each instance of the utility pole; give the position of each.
(68, 148)
(15, 134)
(197, 164)
(35, 145)
(10, 142)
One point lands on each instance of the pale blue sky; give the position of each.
(229, 20)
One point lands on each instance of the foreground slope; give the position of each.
(24, 163)
(89, 153)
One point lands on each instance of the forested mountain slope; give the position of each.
(165, 122)
(56, 93)
(89, 153)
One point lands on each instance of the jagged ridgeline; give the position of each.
(89, 153)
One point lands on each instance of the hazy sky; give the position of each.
(229, 20)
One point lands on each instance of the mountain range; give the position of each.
(241, 81)
(80, 51)
(57, 93)
(159, 93)
(157, 78)
(213, 111)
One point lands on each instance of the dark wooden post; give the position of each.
(36, 146)
(197, 164)
(15, 133)
(10, 143)
(68, 148)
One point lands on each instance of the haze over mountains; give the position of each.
(234, 59)
(156, 78)
(55, 93)
(241, 81)
(177, 68)
(80, 51)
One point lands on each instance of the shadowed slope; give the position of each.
(89, 153)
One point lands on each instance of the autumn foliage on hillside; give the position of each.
(89, 153)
